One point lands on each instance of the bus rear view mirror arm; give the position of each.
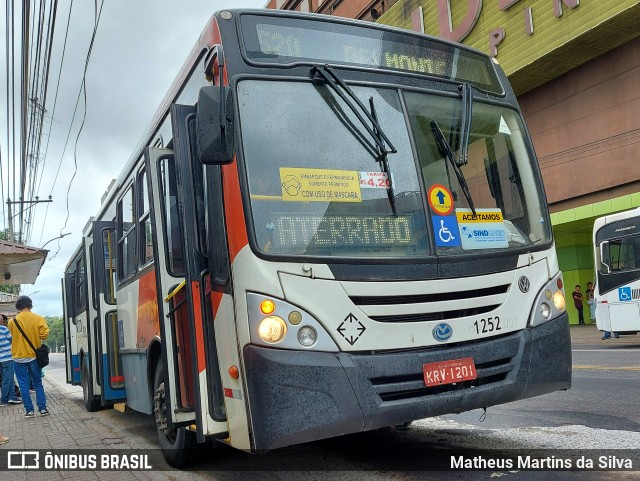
(214, 125)
(604, 245)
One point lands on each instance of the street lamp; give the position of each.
(55, 238)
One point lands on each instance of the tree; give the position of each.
(56, 333)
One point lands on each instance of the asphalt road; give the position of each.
(601, 411)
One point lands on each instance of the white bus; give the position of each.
(330, 226)
(616, 240)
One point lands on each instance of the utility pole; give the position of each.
(21, 202)
(10, 221)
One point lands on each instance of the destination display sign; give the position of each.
(302, 230)
(289, 40)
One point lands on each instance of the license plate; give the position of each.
(449, 372)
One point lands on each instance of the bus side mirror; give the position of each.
(602, 246)
(214, 125)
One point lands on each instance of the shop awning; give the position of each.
(20, 264)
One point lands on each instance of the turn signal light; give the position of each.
(267, 307)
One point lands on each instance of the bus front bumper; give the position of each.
(302, 396)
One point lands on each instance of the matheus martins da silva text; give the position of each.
(548, 462)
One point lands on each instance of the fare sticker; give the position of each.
(319, 185)
(440, 199)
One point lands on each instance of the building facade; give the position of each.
(575, 67)
(359, 9)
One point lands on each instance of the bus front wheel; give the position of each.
(177, 444)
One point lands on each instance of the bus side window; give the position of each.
(81, 277)
(169, 194)
(110, 278)
(144, 221)
(126, 236)
(216, 237)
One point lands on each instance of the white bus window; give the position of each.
(126, 235)
(144, 221)
(175, 257)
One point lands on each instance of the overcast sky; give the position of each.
(138, 50)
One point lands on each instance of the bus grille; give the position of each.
(407, 387)
(428, 298)
(435, 316)
(459, 305)
(494, 360)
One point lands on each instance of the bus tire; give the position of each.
(90, 402)
(177, 444)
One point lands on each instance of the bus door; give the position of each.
(174, 293)
(109, 365)
(70, 339)
(191, 174)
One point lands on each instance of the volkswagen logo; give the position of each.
(442, 332)
(523, 284)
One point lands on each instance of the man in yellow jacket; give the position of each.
(24, 358)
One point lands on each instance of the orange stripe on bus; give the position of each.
(216, 299)
(197, 311)
(236, 227)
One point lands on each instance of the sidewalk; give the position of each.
(589, 334)
(71, 427)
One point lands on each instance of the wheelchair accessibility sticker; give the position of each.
(628, 294)
(446, 231)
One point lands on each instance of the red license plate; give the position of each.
(449, 372)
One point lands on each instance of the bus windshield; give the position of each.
(317, 189)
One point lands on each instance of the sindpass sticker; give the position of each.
(483, 230)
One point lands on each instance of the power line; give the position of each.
(55, 102)
(97, 15)
(41, 94)
(26, 11)
(8, 40)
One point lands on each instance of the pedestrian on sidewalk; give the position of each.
(591, 301)
(35, 329)
(6, 365)
(577, 302)
(607, 335)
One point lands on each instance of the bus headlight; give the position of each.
(279, 324)
(550, 302)
(272, 329)
(558, 300)
(307, 336)
(545, 310)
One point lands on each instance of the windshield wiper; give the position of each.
(375, 130)
(447, 153)
(465, 123)
(384, 160)
(352, 101)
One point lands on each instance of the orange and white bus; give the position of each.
(329, 227)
